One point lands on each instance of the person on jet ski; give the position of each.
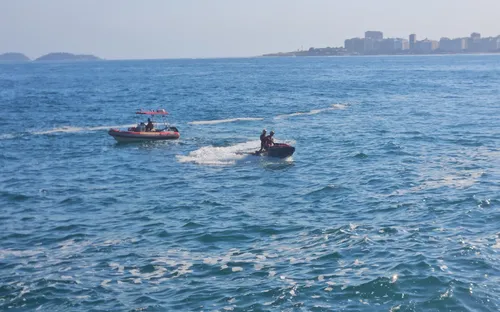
(269, 140)
(263, 140)
(149, 126)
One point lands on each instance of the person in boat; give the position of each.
(269, 140)
(262, 140)
(140, 127)
(149, 126)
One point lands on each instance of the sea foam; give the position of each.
(70, 129)
(220, 155)
(214, 122)
(313, 112)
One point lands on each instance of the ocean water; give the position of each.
(390, 203)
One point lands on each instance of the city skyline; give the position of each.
(374, 42)
(127, 29)
(475, 43)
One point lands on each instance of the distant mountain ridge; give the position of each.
(64, 56)
(14, 57)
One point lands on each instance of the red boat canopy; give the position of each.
(157, 112)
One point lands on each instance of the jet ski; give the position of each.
(279, 150)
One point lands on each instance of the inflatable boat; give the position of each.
(147, 132)
(132, 135)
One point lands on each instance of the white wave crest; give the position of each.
(458, 180)
(224, 155)
(213, 122)
(4, 253)
(70, 129)
(313, 112)
(7, 136)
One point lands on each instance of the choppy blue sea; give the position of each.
(390, 203)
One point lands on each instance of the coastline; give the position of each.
(248, 57)
(380, 54)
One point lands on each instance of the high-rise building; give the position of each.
(406, 44)
(413, 41)
(355, 45)
(474, 43)
(400, 44)
(452, 45)
(475, 35)
(393, 45)
(376, 35)
(372, 46)
(495, 44)
(373, 41)
(426, 46)
(387, 46)
(459, 44)
(445, 45)
(488, 44)
(348, 45)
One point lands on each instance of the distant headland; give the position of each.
(63, 56)
(51, 57)
(14, 57)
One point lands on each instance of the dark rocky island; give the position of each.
(61, 56)
(13, 57)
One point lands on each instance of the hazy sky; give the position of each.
(131, 29)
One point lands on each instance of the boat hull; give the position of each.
(131, 136)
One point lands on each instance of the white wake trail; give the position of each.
(313, 112)
(222, 155)
(70, 129)
(214, 122)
